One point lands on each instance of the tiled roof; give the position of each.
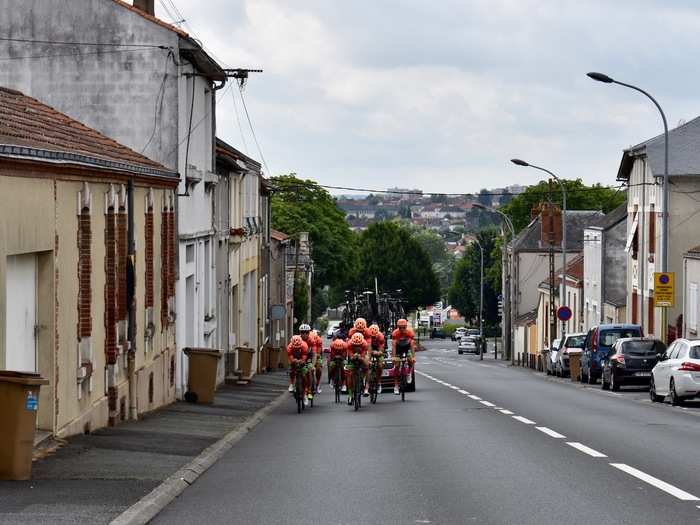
(574, 270)
(152, 18)
(612, 218)
(29, 128)
(576, 221)
(278, 235)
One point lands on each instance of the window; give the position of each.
(693, 307)
(694, 352)
(673, 351)
(635, 308)
(189, 253)
(632, 244)
(643, 348)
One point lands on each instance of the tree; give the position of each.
(381, 214)
(301, 302)
(578, 197)
(398, 261)
(372, 199)
(405, 211)
(484, 197)
(505, 198)
(464, 293)
(302, 205)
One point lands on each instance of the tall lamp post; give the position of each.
(600, 77)
(562, 288)
(509, 277)
(481, 299)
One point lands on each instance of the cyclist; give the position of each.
(311, 356)
(341, 332)
(297, 351)
(318, 346)
(402, 339)
(377, 344)
(339, 349)
(361, 327)
(357, 356)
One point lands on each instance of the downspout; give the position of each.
(131, 306)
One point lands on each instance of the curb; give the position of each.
(148, 507)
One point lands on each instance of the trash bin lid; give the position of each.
(23, 378)
(213, 352)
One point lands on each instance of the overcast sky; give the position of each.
(440, 94)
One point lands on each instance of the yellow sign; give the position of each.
(664, 289)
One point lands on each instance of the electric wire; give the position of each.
(255, 138)
(238, 121)
(159, 102)
(76, 43)
(79, 53)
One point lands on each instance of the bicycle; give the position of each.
(357, 383)
(373, 383)
(403, 370)
(299, 387)
(312, 381)
(338, 377)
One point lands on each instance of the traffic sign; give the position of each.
(564, 313)
(664, 289)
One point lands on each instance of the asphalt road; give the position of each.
(478, 442)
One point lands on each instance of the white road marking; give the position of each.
(486, 403)
(550, 432)
(475, 398)
(586, 450)
(454, 387)
(661, 485)
(524, 420)
(463, 392)
(506, 412)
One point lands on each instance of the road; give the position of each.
(479, 442)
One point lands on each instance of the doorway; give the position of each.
(21, 318)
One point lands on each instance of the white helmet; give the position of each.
(304, 328)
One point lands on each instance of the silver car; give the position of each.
(467, 344)
(561, 364)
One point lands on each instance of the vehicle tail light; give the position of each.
(594, 343)
(689, 367)
(619, 358)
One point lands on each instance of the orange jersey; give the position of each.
(297, 353)
(355, 349)
(378, 342)
(367, 335)
(341, 352)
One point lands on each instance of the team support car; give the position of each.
(468, 344)
(630, 361)
(677, 374)
(387, 375)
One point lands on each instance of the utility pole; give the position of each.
(552, 271)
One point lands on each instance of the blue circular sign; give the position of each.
(564, 313)
(663, 278)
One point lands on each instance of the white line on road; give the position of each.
(453, 387)
(550, 432)
(463, 392)
(586, 450)
(475, 398)
(662, 485)
(506, 412)
(524, 420)
(486, 403)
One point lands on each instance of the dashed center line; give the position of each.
(475, 398)
(586, 450)
(550, 432)
(506, 412)
(463, 392)
(651, 480)
(524, 420)
(486, 403)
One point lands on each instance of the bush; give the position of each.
(449, 329)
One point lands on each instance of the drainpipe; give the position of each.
(131, 306)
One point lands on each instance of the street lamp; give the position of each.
(562, 288)
(509, 278)
(481, 298)
(600, 77)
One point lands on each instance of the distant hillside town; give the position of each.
(438, 212)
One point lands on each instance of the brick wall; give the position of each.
(84, 274)
(148, 248)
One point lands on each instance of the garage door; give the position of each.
(20, 338)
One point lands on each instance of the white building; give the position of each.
(641, 168)
(691, 296)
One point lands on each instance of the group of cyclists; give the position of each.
(350, 350)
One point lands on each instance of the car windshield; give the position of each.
(608, 337)
(643, 348)
(575, 341)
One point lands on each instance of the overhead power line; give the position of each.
(78, 53)
(67, 43)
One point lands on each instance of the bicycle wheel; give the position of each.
(357, 391)
(312, 389)
(403, 385)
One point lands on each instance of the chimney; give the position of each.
(147, 6)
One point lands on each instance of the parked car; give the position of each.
(677, 373)
(438, 333)
(549, 364)
(572, 342)
(468, 344)
(599, 341)
(458, 333)
(629, 362)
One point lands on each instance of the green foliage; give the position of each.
(578, 197)
(390, 253)
(465, 290)
(449, 328)
(302, 205)
(434, 244)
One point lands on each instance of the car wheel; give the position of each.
(605, 385)
(614, 383)
(675, 400)
(460, 352)
(652, 392)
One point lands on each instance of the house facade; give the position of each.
(691, 296)
(605, 269)
(641, 168)
(87, 268)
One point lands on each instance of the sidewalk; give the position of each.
(93, 478)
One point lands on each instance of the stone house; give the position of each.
(87, 268)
